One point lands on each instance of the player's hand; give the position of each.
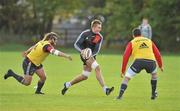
(82, 52)
(122, 75)
(162, 69)
(69, 57)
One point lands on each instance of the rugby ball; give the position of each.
(86, 53)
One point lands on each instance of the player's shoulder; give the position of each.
(86, 31)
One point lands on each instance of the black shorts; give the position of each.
(140, 64)
(29, 68)
(84, 60)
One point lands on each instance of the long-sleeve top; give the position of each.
(130, 49)
(88, 39)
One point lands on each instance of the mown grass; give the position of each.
(88, 95)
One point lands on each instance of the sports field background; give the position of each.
(88, 95)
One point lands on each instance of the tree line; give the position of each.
(121, 16)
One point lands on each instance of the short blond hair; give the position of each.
(95, 22)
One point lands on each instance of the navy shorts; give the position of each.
(140, 64)
(29, 68)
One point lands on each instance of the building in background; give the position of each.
(69, 29)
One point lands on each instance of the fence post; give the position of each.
(66, 36)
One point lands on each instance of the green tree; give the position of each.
(45, 11)
(124, 15)
(166, 23)
(34, 16)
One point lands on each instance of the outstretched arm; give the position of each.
(50, 49)
(61, 54)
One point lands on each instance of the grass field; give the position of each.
(88, 95)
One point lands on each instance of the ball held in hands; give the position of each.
(86, 53)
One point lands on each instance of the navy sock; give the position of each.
(39, 86)
(123, 88)
(17, 77)
(153, 86)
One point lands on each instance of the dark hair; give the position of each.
(136, 32)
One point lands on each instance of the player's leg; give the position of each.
(26, 80)
(153, 85)
(152, 68)
(42, 75)
(131, 72)
(28, 71)
(94, 65)
(10, 73)
(84, 76)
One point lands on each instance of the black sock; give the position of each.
(153, 86)
(17, 77)
(39, 86)
(123, 88)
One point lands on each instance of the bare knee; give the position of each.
(41, 73)
(43, 78)
(126, 80)
(154, 76)
(84, 77)
(97, 68)
(27, 80)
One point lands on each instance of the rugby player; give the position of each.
(34, 57)
(90, 38)
(145, 54)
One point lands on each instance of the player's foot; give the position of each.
(63, 91)
(8, 74)
(39, 92)
(109, 90)
(154, 96)
(119, 98)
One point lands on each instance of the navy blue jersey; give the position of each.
(88, 39)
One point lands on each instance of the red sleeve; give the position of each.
(47, 48)
(126, 56)
(157, 55)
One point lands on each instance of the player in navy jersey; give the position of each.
(90, 38)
